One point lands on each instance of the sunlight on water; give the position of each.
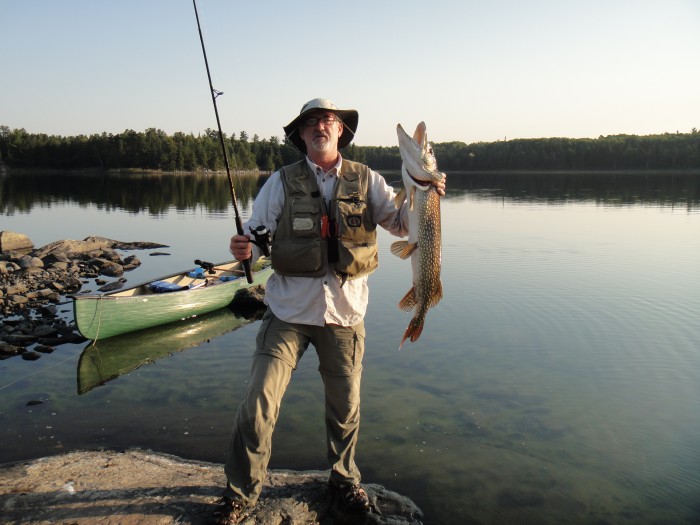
(556, 382)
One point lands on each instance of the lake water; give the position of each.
(556, 382)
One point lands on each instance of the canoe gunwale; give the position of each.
(146, 292)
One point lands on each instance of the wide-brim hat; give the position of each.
(349, 117)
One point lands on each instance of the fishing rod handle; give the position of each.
(248, 272)
(246, 263)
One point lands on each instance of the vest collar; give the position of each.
(316, 169)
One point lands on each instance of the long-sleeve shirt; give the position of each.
(322, 300)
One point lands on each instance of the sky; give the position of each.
(473, 71)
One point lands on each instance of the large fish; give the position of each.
(418, 171)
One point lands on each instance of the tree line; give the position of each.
(153, 149)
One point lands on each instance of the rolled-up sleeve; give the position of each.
(267, 208)
(385, 213)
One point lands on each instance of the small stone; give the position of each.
(31, 356)
(57, 286)
(131, 263)
(56, 257)
(116, 285)
(8, 350)
(62, 266)
(30, 262)
(17, 300)
(34, 271)
(18, 288)
(20, 339)
(44, 330)
(48, 311)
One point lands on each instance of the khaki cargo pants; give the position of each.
(279, 348)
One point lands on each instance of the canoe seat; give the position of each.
(165, 287)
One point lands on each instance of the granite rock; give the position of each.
(148, 488)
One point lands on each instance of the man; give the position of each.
(322, 212)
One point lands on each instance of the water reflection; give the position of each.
(155, 193)
(107, 359)
(152, 193)
(610, 188)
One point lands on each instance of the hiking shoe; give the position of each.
(353, 498)
(228, 512)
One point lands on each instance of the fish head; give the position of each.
(419, 167)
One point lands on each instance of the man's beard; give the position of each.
(321, 143)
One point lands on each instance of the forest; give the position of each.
(153, 149)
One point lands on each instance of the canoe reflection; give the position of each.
(107, 359)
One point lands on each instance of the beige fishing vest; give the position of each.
(305, 243)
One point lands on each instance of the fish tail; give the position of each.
(415, 328)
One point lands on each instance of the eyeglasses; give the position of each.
(313, 121)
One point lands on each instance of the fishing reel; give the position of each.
(262, 238)
(205, 266)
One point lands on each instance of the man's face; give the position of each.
(320, 131)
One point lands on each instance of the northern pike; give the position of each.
(418, 172)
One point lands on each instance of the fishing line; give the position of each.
(40, 371)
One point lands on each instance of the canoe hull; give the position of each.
(107, 315)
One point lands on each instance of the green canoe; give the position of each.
(104, 360)
(151, 304)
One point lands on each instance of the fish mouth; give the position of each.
(420, 182)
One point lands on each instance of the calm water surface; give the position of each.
(556, 382)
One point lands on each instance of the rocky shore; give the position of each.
(36, 282)
(147, 488)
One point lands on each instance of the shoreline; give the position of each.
(263, 173)
(144, 487)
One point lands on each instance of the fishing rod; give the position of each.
(214, 94)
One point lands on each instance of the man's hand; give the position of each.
(240, 247)
(440, 185)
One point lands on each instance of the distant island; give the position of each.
(153, 149)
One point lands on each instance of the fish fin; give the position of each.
(415, 328)
(403, 249)
(400, 197)
(411, 197)
(436, 295)
(408, 250)
(398, 247)
(420, 135)
(408, 302)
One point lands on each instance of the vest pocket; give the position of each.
(351, 227)
(356, 259)
(298, 257)
(305, 219)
